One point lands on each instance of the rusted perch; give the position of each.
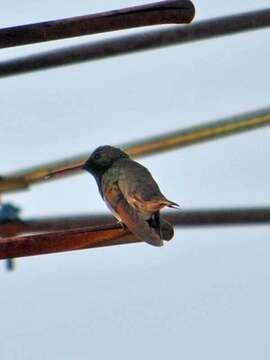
(191, 218)
(80, 236)
(164, 12)
(64, 241)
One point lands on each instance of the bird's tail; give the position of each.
(166, 230)
(172, 204)
(162, 227)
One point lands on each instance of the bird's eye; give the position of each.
(96, 156)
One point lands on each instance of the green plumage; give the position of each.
(131, 193)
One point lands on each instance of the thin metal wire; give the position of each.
(146, 40)
(19, 180)
(163, 12)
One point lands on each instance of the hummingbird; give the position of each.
(131, 193)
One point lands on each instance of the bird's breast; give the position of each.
(109, 206)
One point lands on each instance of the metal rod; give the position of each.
(207, 217)
(127, 44)
(78, 235)
(62, 241)
(214, 130)
(163, 12)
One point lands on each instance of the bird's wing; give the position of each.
(129, 216)
(139, 188)
(136, 224)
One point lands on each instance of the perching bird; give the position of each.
(131, 193)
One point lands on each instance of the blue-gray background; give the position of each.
(204, 295)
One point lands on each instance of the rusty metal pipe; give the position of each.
(78, 235)
(64, 241)
(187, 218)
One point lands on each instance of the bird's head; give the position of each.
(103, 158)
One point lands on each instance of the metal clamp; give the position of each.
(8, 213)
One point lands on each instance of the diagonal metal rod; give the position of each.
(128, 44)
(163, 12)
(22, 179)
(78, 235)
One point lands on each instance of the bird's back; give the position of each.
(139, 188)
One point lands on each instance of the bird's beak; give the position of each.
(68, 170)
(88, 166)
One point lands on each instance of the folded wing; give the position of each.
(140, 189)
(130, 216)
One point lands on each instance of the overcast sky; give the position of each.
(204, 295)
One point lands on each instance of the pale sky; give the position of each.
(204, 295)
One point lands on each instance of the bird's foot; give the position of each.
(123, 226)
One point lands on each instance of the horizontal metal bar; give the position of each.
(146, 40)
(61, 241)
(199, 217)
(163, 12)
(78, 235)
(19, 180)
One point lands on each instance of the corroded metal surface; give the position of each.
(63, 241)
(81, 232)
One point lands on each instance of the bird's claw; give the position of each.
(123, 226)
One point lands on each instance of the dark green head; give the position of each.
(103, 158)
